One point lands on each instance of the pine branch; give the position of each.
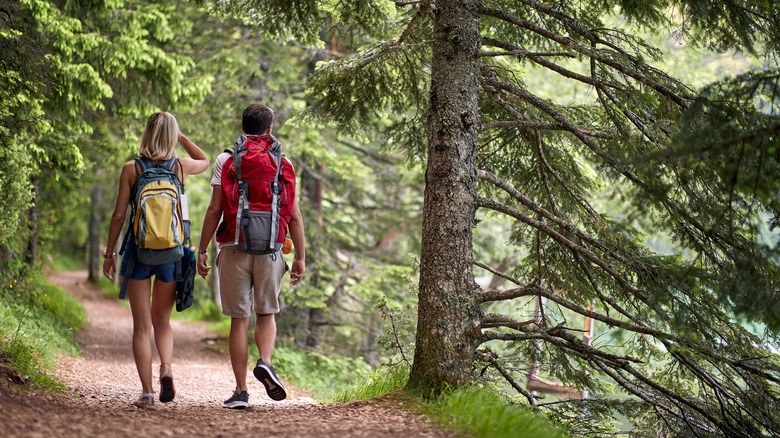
(495, 272)
(398, 343)
(488, 356)
(655, 399)
(374, 155)
(567, 20)
(489, 78)
(523, 122)
(574, 25)
(560, 337)
(422, 10)
(522, 53)
(605, 300)
(533, 206)
(539, 291)
(587, 51)
(526, 124)
(677, 212)
(552, 171)
(729, 429)
(630, 115)
(493, 320)
(565, 242)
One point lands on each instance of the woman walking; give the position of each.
(151, 305)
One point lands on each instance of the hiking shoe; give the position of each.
(267, 376)
(145, 401)
(237, 401)
(167, 392)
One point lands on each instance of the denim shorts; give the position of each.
(141, 271)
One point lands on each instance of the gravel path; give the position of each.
(104, 382)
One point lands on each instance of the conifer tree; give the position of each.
(586, 184)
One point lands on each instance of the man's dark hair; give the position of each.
(256, 119)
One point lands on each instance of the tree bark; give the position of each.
(314, 331)
(93, 238)
(449, 316)
(313, 189)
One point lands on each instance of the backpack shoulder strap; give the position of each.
(276, 154)
(141, 164)
(238, 151)
(171, 163)
(276, 147)
(175, 167)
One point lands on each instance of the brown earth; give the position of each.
(103, 383)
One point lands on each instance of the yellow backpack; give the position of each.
(160, 227)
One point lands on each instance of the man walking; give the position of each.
(251, 178)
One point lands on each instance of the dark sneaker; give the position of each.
(167, 392)
(237, 401)
(267, 376)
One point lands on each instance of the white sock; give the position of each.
(147, 394)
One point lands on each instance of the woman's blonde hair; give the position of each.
(158, 142)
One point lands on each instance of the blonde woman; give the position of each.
(151, 306)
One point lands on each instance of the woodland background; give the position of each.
(508, 193)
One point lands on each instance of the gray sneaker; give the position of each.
(145, 401)
(237, 401)
(267, 376)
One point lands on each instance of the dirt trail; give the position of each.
(103, 383)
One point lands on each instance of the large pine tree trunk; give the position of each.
(449, 315)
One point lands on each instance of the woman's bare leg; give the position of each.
(138, 292)
(163, 299)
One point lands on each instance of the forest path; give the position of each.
(104, 382)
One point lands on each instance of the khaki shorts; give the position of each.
(248, 282)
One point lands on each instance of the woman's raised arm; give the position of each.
(197, 162)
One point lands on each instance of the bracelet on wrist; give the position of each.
(202, 251)
(107, 256)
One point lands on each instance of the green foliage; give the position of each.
(203, 310)
(603, 416)
(38, 321)
(303, 20)
(25, 77)
(80, 78)
(750, 26)
(377, 383)
(397, 339)
(473, 410)
(482, 413)
(584, 110)
(385, 81)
